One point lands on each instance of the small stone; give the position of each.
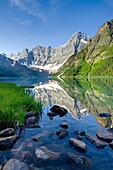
(105, 135)
(95, 141)
(82, 133)
(79, 145)
(76, 132)
(14, 164)
(27, 158)
(64, 125)
(8, 142)
(30, 145)
(36, 138)
(78, 162)
(31, 120)
(30, 114)
(62, 133)
(79, 137)
(7, 132)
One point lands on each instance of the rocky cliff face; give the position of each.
(52, 59)
(97, 55)
(12, 68)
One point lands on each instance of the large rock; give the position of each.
(60, 110)
(95, 141)
(62, 133)
(104, 135)
(43, 156)
(7, 132)
(79, 162)
(79, 145)
(31, 120)
(14, 164)
(8, 142)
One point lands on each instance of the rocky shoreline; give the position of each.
(42, 157)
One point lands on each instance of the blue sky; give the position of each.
(28, 23)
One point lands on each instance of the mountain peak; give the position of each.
(51, 59)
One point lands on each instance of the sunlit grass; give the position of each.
(14, 103)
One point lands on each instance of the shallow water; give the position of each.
(84, 100)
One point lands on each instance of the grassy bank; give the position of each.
(14, 103)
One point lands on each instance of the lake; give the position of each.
(88, 102)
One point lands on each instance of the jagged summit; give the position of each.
(52, 59)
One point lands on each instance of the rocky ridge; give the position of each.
(12, 68)
(51, 59)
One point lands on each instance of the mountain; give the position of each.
(96, 58)
(11, 68)
(51, 59)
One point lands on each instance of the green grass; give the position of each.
(103, 67)
(14, 103)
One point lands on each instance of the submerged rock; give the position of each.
(79, 137)
(82, 133)
(14, 164)
(64, 125)
(7, 132)
(60, 110)
(104, 135)
(95, 141)
(78, 162)
(79, 145)
(43, 156)
(62, 133)
(76, 132)
(51, 115)
(37, 137)
(8, 142)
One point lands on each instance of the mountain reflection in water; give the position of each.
(52, 93)
(80, 97)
